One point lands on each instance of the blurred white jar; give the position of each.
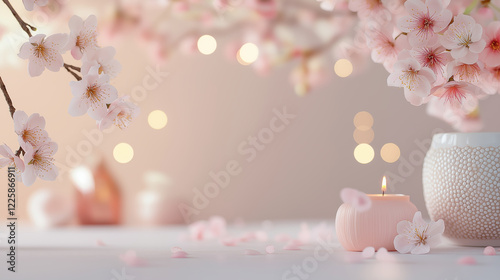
(157, 205)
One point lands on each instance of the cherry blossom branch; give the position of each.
(25, 26)
(71, 69)
(12, 109)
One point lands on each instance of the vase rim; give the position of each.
(464, 139)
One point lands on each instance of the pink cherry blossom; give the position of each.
(464, 39)
(103, 58)
(459, 95)
(30, 4)
(384, 47)
(465, 72)
(357, 199)
(39, 162)
(120, 113)
(370, 9)
(460, 119)
(91, 94)
(435, 58)
(490, 80)
(418, 237)
(424, 21)
(43, 52)
(11, 160)
(30, 130)
(83, 35)
(268, 9)
(415, 79)
(491, 53)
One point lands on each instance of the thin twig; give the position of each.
(25, 26)
(69, 69)
(12, 109)
(72, 67)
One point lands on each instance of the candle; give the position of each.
(375, 227)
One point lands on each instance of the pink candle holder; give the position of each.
(375, 227)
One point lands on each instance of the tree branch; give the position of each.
(25, 26)
(12, 109)
(71, 70)
(72, 67)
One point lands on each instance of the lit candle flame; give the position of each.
(384, 185)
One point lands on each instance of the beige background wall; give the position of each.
(213, 105)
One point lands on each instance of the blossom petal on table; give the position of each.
(291, 246)
(179, 255)
(270, 249)
(247, 237)
(176, 249)
(467, 260)
(130, 258)
(368, 252)
(229, 242)
(384, 256)
(261, 236)
(251, 252)
(489, 251)
(282, 237)
(100, 243)
(353, 258)
(217, 226)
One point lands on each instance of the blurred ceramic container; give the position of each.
(48, 207)
(98, 195)
(375, 227)
(461, 178)
(156, 203)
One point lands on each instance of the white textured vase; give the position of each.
(461, 178)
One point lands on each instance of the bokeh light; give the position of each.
(157, 119)
(363, 120)
(123, 153)
(207, 44)
(390, 152)
(343, 68)
(364, 153)
(363, 136)
(248, 54)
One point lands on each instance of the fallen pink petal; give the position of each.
(291, 246)
(251, 252)
(175, 249)
(368, 252)
(179, 255)
(467, 260)
(270, 249)
(489, 251)
(130, 258)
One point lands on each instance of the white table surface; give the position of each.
(73, 253)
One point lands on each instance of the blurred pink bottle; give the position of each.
(157, 204)
(98, 195)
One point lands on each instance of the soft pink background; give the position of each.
(213, 105)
